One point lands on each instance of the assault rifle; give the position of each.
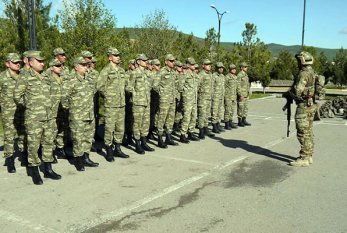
(287, 107)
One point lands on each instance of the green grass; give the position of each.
(259, 95)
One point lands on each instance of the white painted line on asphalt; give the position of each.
(28, 226)
(184, 160)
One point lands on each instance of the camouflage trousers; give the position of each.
(189, 117)
(304, 126)
(229, 106)
(242, 108)
(40, 133)
(141, 121)
(13, 129)
(82, 133)
(114, 125)
(166, 117)
(62, 130)
(217, 110)
(204, 111)
(179, 110)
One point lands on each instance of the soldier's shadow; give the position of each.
(233, 143)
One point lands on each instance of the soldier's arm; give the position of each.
(299, 87)
(19, 91)
(67, 89)
(130, 83)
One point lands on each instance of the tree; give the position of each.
(185, 46)
(284, 66)
(340, 67)
(249, 39)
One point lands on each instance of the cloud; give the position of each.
(344, 30)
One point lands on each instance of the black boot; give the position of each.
(118, 152)
(240, 124)
(9, 162)
(151, 134)
(208, 133)
(60, 153)
(24, 159)
(35, 175)
(192, 137)
(232, 125)
(55, 161)
(214, 128)
(175, 129)
(245, 122)
(109, 154)
(220, 128)
(128, 140)
(144, 144)
(169, 140)
(138, 147)
(201, 133)
(88, 162)
(227, 125)
(161, 143)
(79, 163)
(184, 139)
(49, 173)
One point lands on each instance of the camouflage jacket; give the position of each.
(111, 83)
(304, 87)
(231, 86)
(167, 90)
(243, 87)
(154, 79)
(190, 87)
(78, 97)
(205, 87)
(56, 91)
(179, 82)
(218, 86)
(7, 86)
(33, 90)
(140, 87)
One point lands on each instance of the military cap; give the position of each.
(190, 61)
(170, 57)
(155, 62)
(58, 51)
(94, 59)
(86, 53)
(243, 64)
(178, 63)
(184, 66)
(13, 57)
(206, 62)
(79, 60)
(35, 54)
(25, 54)
(149, 62)
(141, 56)
(54, 62)
(113, 51)
(232, 66)
(196, 66)
(220, 65)
(132, 61)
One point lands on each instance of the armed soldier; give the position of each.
(231, 85)
(243, 95)
(111, 83)
(33, 89)
(217, 97)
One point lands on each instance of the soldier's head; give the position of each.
(60, 54)
(113, 55)
(132, 64)
(149, 65)
(170, 60)
(26, 59)
(178, 66)
(190, 62)
(304, 58)
(206, 65)
(13, 62)
(156, 64)
(36, 60)
(87, 55)
(141, 60)
(244, 66)
(55, 66)
(232, 69)
(80, 65)
(220, 67)
(196, 70)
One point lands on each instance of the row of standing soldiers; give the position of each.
(44, 110)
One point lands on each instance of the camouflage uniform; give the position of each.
(179, 82)
(243, 95)
(154, 98)
(217, 97)
(231, 86)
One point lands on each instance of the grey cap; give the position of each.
(86, 53)
(156, 62)
(80, 60)
(113, 51)
(220, 65)
(170, 57)
(190, 61)
(54, 62)
(35, 54)
(243, 64)
(13, 57)
(232, 66)
(58, 51)
(141, 56)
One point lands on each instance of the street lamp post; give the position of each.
(220, 16)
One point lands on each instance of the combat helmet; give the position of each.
(305, 58)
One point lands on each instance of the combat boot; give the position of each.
(109, 154)
(220, 128)
(55, 161)
(35, 175)
(175, 129)
(24, 159)
(144, 144)
(201, 133)
(60, 153)
(245, 122)
(300, 162)
(184, 139)
(138, 147)
(79, 163)
(88, 162)
(227, 125)
(9, 162)
(151, 134)
(128, 140)
(208, 133)
(169, 140)
(241, 124)
(118, 152)
(49, 173)
(192, 137)
(161, 143)
(232, 125)
(215, 128)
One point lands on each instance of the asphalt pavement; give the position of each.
(238, 181)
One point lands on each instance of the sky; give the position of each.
(277, 21)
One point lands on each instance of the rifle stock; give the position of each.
(287, 107)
